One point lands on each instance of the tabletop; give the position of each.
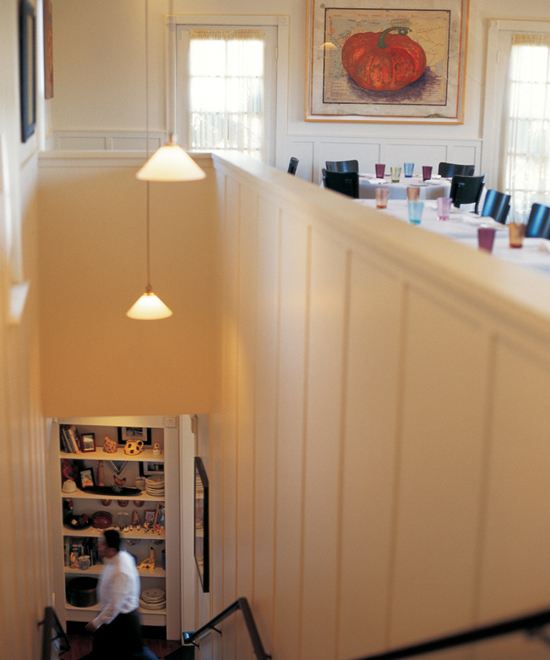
(431, 189)
(462, 227)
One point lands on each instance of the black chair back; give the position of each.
(343, 182)
(496, 206)
(450, 169)
(538, 224)
(466, 189)
(293, 165)
(342, 165)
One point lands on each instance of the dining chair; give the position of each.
(343, 182)
(538, 224)
(342, 165)
(450, 169)
(293, 165)
(496, 206)
(466, 190)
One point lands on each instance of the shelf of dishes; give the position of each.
(83, 495)
(157, 572)
(132, 534)
(146, 455)
(148, 617)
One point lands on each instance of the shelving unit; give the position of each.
(137, 541)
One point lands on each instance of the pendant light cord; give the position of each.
(149, 287)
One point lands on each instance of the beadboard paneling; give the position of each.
(383, 370)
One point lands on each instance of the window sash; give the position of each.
(226, 90)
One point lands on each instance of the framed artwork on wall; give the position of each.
(201, 525)
(48, 49)
(27, 68)
(397, 64)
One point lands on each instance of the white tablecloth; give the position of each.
(462, 226)
(431, 189)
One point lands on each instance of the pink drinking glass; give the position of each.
(486, 238)
(443, 207)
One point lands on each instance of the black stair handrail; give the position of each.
(529, 624)
(240, 604)
(53, 632)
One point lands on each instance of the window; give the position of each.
(226, 91)
(516, 128)
(527, 123)
(228, 83)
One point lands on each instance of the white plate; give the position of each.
(149, 606)
(153, 595)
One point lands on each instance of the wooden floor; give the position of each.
(81, 644)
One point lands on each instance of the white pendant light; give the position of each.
(170, 163)
(149, 307)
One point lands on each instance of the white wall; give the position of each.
(95, 360)
(99, 102)
(379, 454)
(25, 570)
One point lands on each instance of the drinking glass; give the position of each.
(443, 207)
(413, 193)
(415, 212)
(408, 169)
(380, 170)
(486, 238)
(395, 174)
(517, 232)
(382, 195)
(426, 172)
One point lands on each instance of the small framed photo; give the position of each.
(148, 468)
(160, 517)
(126, 433)
(87, 479)
(149, 516)
(87, 442)
(202, 531)
(27, 69)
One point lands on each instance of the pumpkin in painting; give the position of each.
(381, 61)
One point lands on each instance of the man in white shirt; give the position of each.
(117, 628)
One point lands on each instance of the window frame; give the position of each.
(275, 151)
(498, 54)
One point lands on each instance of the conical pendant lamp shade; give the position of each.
(149, 307)
(170, 163)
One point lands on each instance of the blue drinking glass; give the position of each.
(415, 212)
(408, 168)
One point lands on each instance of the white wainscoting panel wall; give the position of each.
(379, 452)
(311, 151)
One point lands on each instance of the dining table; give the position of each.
(430, 189)
(462, 227)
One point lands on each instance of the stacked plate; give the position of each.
(152, 599)
(154, 486)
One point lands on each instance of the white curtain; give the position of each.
(527, 170)
(226, 95)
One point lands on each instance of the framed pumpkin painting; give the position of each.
(405, 63)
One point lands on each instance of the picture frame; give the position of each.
(126, 433)
(201, 526)
(86, 478)
(48, 48)
(160, 515)
(27, 68)
(149, 468)
(342, 83)
(149, 516)
(87, 442)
